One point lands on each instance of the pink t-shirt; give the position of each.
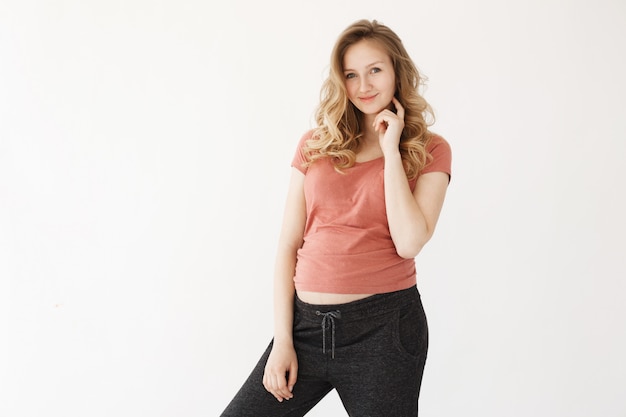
(347, 245)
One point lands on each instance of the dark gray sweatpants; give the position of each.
(372, 351)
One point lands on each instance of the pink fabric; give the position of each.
(347, 244)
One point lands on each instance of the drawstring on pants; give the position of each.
(329, 319)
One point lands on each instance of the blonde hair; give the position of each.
(338, 133)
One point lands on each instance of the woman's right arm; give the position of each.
(281, 369)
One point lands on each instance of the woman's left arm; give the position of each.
(412, 216)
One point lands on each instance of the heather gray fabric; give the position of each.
(372, 351)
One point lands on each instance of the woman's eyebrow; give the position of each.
(367, 66)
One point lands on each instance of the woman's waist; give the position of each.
(322, 298)
(362, 306)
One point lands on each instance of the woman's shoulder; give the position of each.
(436, 140)
(300, 158)
(440, 155)
(307, 135)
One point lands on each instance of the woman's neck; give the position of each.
(370, 136)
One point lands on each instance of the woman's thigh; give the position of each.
(253, 400)
(379, 362)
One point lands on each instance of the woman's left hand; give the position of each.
(389, 126)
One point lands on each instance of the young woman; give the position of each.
(366, 191)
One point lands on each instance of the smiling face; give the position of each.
(369, 77)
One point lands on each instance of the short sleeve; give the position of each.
(299, 158)
(441, 154)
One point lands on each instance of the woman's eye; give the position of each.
(375, 70)
(350, 75)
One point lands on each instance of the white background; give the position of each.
(144, 157)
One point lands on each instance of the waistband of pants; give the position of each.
(374, 305)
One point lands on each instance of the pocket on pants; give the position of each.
(410, 334)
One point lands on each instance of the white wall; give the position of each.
(144, 158)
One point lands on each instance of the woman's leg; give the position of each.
(253, 400)
(372, 351)
(380, 346)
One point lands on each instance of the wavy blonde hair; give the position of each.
(338, 134)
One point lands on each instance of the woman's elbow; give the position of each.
(411, 249)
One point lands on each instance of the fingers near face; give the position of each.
(399, 108)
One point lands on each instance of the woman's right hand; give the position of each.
(281, 371)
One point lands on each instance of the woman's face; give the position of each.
(369, 76)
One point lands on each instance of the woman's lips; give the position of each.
(367, 99)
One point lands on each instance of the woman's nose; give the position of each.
(365, 84)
